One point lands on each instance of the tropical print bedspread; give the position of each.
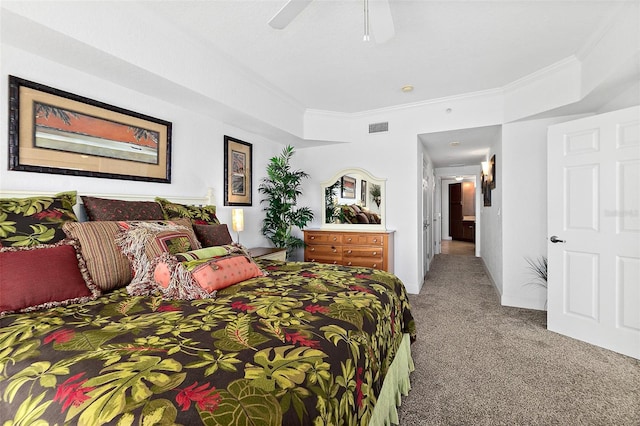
(308, 344)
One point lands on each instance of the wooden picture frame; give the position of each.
(492, 167)
(53, 131)
(486, 193)
(238, 164)
(348, 185)
(363, 193)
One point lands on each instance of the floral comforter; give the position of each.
(308, 344)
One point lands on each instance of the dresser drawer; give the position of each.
(372, 253)
(323, 250)
(367, 263)
(364, 239)
(322, 238)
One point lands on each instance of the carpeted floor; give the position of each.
(478, 363)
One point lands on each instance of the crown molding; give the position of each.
(543, 73)
(404, 107)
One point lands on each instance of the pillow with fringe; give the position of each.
(200, 278)
(142, 242)
(44, 276)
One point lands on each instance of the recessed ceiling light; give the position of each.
(454, 143)
(407, 88)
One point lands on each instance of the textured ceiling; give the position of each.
(442, 48)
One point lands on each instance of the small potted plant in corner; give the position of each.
(538, 268)
(281, 189)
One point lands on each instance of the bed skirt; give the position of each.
(396, 384)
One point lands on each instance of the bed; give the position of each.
(304, 344)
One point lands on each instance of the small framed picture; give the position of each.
(237, 172)
(348, 187)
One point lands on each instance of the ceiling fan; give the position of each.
(377, 18)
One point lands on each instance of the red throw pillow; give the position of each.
(43, 276)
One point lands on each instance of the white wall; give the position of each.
(490, 219)
(197, 142)
(522, 175)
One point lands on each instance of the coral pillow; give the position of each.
(221, 273)
(43, 276)
(198, 279)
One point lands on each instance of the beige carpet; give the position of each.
(478, 363)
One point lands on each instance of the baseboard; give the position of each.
(493, 282)
(516, 302)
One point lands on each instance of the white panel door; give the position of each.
(593, 181)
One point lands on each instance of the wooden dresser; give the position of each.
(373, 249)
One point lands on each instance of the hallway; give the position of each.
(461, 248)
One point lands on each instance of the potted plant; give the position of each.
(281, 189)
(376, 194)
(331, 214)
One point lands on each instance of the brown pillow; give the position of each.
(107, 209)
(213, 235)
(362, 218)
(108, 266)
(43, 276)
(35, 220)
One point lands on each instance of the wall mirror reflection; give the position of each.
(353, 199)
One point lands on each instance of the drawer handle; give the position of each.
(374, 253)
(349, 251)
(335, 262)
(375, 265)
(313, 260)
(375, 240)
(335, 238)
(312, 237)
(312, 249)
(349, 239)
(334, 249)
(349, 264)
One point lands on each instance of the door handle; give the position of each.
(555, 239)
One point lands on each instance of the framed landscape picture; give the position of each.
(53, 131)
(237, 172)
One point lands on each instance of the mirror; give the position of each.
(353, 199)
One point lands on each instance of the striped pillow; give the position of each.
(108, 266)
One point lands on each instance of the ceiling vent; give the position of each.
(379, 127)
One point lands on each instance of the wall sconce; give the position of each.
(237, 221)
(485, 168)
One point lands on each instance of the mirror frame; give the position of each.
(350, 226)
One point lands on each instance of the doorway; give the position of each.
(458, 204)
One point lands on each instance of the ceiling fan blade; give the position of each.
(289, 11)
(381, 21)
